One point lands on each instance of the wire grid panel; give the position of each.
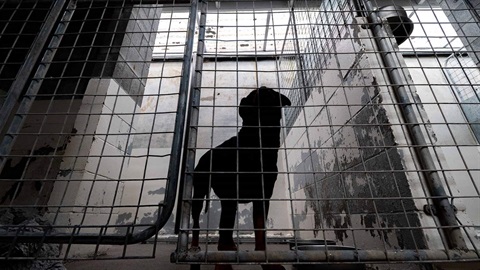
(89, 158)
(379, 139)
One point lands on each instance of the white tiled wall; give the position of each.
(90, 181)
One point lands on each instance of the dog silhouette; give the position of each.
(242, 169)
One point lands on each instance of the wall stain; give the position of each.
(371, 171)
(159, 191)
(123, 219)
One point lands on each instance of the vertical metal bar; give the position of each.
(180, 119)
(440, 199)
(39, 47)
(194, 104)
(267, 25)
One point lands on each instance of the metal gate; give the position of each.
(379, 154)
(92, 123)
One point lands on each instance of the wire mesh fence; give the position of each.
(88, 124)
(379, 149)
(378, 154)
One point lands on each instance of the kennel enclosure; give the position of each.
(379, 148)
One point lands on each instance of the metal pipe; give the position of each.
(180, 120)
(192, 140)
(324, 256)
(444, 209)
(267, 25)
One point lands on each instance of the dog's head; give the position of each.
(263, 107)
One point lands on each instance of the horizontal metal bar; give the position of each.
(72, 238)
(331, 256)
(113, 2)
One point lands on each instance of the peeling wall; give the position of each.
(91, 169)
(145, 173)
(33, 189)
(349, 181)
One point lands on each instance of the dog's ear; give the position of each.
(285, 101)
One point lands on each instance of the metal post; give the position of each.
(190, 151)
(444, 209)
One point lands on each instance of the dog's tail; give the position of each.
(200, 192)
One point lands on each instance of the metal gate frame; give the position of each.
(50, 36)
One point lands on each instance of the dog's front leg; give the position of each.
(227, 222)
(260, 213)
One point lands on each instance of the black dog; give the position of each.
(243, 169)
